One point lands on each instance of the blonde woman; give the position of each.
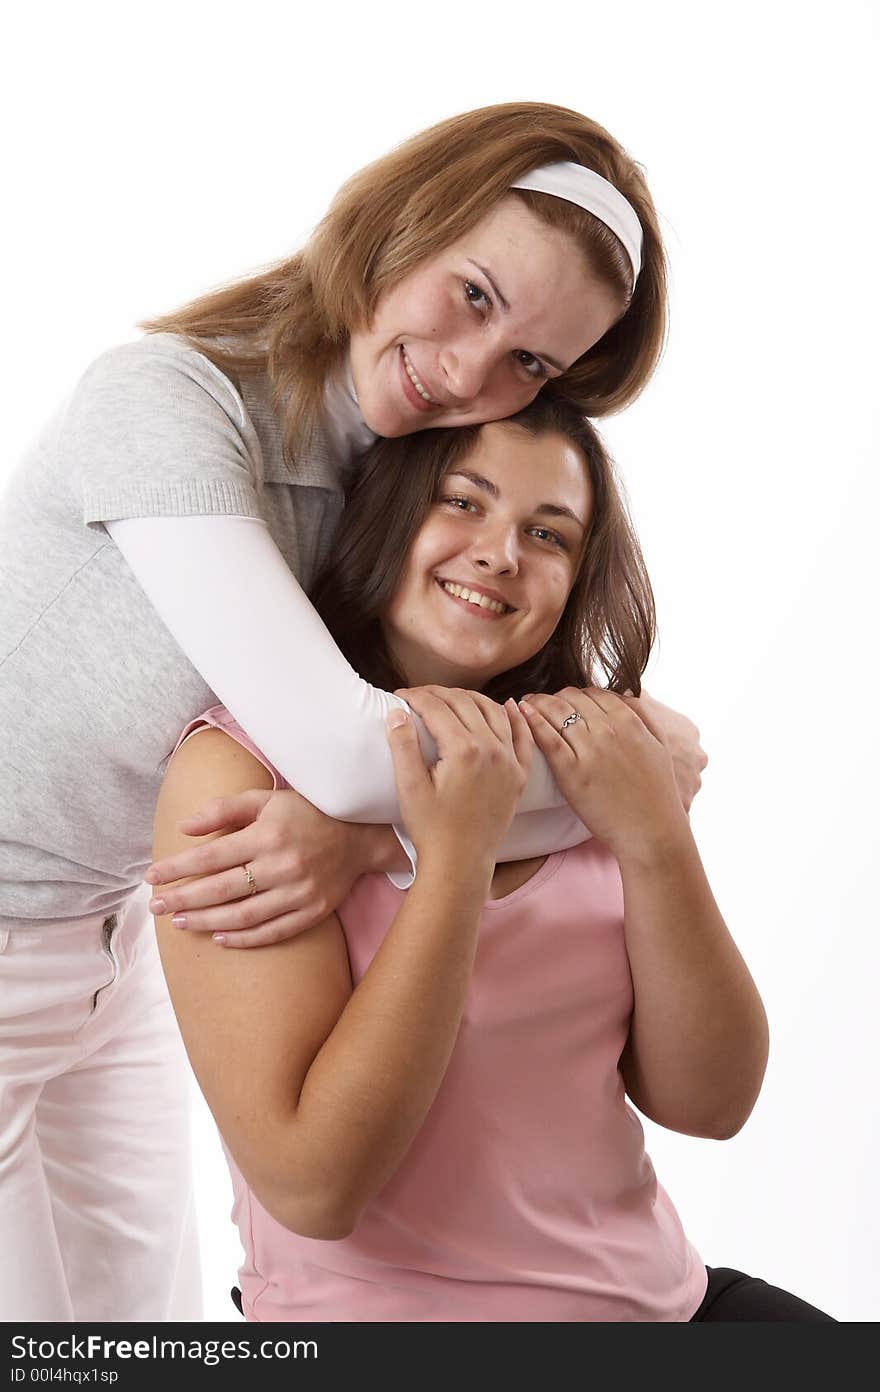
(158, 545)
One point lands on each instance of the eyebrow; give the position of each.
(506, 307)
(487, 486)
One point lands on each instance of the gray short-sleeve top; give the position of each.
(93, 689)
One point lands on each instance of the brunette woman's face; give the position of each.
(490, 570)
(473, 333)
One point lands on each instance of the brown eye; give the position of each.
(551, 536)
(533, 366)
(456, 501)
(475, 296)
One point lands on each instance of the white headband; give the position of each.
(589, 190)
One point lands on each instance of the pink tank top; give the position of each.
(527, 1195)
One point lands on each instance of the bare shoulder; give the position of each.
(210, 763)
(252, 1021)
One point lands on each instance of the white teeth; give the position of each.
(410, 372)
(481, 600)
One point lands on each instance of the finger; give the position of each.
(244, 914)
(236, 811)
(523, 742)
(592, 704)
(607, 701)
(476, 711)
(208, 891)
(278, 930)
(556, 708)
(496, 716)
(208, 859)
(635, 705)
(552, 744)
(410, 772)
(442, 719)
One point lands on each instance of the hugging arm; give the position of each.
(225, 592)
(155, 430)
(318, 722)
(317, 1088)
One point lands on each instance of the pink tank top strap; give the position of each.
(219, 718)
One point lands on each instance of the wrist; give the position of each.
(379, 850)
(463, 868)
(659, 849)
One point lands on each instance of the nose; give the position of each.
(467, 365)
(496, 551)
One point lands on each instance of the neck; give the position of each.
(344, 426)
(421, 668)
(448, 676)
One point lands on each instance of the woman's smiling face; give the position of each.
(473, 333)
(490, 570)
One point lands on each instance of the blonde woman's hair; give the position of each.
(293, 319)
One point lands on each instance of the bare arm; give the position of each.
(319, 1090)
(698, 1042)
(698, 1039)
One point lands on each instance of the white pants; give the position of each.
(96, 1205)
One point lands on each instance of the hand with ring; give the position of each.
(282, 867)
(676, 733)
(616, 775)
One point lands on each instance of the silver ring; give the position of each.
(570, 720)
(251, 881)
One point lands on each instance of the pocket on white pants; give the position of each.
(109, 943)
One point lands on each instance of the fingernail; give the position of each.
(525, 707)
(179, 920)
(218, 938)
(151, 877)
(158, 906)
(396, 719)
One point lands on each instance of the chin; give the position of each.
(387, 422)
(396, 428)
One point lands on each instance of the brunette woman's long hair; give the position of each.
(293, 319)
(607, 628)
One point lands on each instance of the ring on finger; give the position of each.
(570, 720)
(250, 879)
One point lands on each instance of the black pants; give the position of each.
(732, 1295)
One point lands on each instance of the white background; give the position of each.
(157, 152)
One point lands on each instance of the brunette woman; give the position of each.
(423, 1099)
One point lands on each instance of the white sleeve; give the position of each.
(228, 597)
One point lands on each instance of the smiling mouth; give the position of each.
(479, 601)
(416, 381)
